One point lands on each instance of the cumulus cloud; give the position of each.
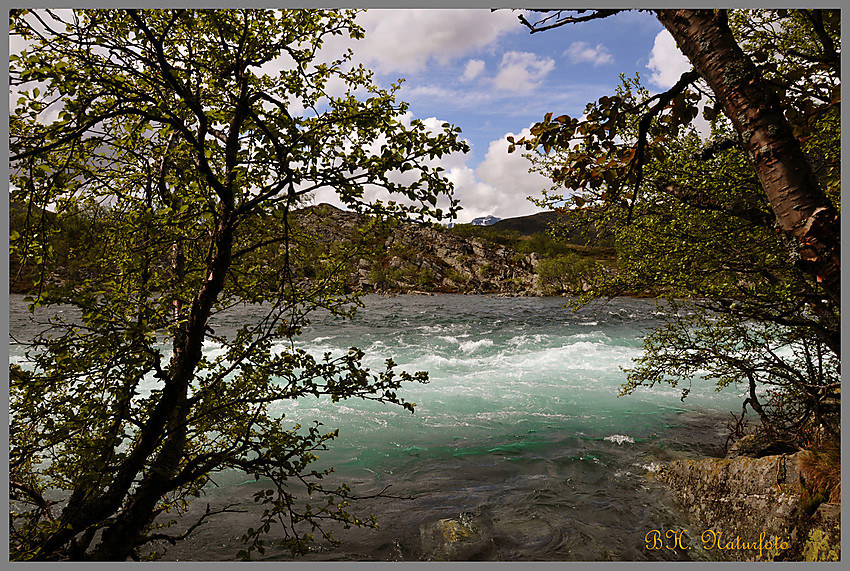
(668, 64)
(499, 186)
(666, 61)
(582, 52)
(474, 68)
(475, 197)
(522, 71)
(502, 184)
(405, 40)
(451, 163)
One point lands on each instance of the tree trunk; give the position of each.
(802, 210)
(121, 537)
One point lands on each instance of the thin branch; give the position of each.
(71, 136)
(830, 54)
(173, 539)
(36, 496)
(537, 27)
(664, 99)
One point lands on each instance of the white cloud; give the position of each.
(405, 40)
(452, 165)
(522, 71)
(435, 92)
(476, 197)
(666, 61)
(474, 68)
(582, 52)
(668, 65)
(501, 185)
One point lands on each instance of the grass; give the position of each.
(822, 472)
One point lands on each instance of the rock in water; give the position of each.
(454, 539)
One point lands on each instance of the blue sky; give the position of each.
(486, 73)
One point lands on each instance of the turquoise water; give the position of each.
(519, 428)
(505, 374)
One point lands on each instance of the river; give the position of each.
(519, 430)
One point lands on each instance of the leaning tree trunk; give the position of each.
(802, 209)
(122, 536)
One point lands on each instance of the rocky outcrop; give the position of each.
(406, 257)
(455, 264)
(751, 509)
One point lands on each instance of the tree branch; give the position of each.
(830, 54)
(715, 146)
(173, 539)
(664, 99)
(35, 495)
(537, 27)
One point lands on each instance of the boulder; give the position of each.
(455, 539)
(749, 509)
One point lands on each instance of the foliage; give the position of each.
(569, 273)
(693, 220)
(788, 375)
(192, 135)
(386, 277)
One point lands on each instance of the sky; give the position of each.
(486, 73)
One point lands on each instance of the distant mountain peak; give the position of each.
(485, 220)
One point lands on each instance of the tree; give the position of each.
(712, 220)
(801, 207)
(176, 126)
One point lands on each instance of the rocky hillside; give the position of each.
(377, 256)
(405, 257)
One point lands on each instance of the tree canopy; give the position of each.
(743, 223)
(181, 140)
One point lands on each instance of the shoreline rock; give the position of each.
(750, 509)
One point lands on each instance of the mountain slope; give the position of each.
(401, 256)
(512, 257)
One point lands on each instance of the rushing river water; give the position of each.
(519, 430)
